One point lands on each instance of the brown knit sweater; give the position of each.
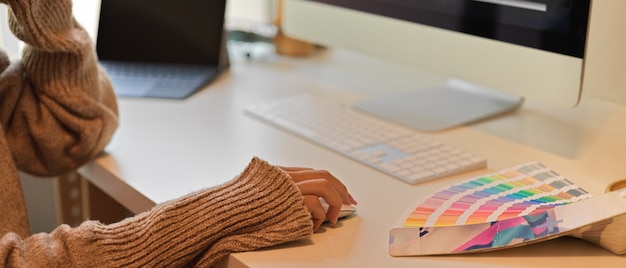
(57, 111)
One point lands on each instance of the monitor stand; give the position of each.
(457, 103)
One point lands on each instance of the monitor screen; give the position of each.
(552, 25)
(530, 49)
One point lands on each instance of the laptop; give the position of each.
(161, 48)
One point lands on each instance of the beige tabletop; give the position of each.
(166, 148)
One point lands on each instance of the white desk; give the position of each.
(165, 149)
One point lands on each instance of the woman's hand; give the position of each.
(314, 184)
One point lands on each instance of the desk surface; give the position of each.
(166, 148)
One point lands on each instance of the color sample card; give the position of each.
(526, 189)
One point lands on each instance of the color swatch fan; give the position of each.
(525, 204)
(519, 191)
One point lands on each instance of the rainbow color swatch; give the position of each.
(518, 191)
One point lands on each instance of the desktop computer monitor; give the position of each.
(496, 52)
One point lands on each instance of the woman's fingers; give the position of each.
(322, 188)
(315, 184)
(318, 215)
(301, 175)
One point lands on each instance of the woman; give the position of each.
(58, 111)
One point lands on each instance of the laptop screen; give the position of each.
(161, 31)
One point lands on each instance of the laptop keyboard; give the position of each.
(156, 80)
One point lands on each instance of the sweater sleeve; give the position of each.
(57, 106)
(260, 208)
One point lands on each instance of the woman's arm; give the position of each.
(261, 207)
(57, 106)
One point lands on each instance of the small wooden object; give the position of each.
(286, 45)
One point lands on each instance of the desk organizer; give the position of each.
(525, 204)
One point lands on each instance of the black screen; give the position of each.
(169, 31)
(553, 25)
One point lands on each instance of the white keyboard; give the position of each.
(392, 148)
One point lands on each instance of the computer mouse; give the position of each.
(345, 211)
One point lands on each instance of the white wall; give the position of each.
(86, 13)
(8, 42)
(253, 10)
